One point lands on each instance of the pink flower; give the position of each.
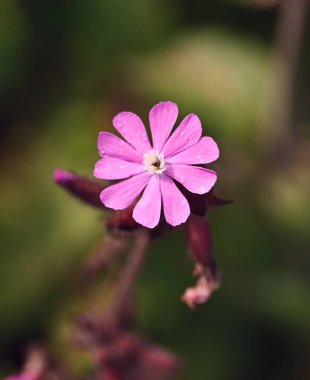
(153, 169)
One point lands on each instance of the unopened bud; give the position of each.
(199, 239)
(81, 187)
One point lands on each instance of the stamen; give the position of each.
(154, 162)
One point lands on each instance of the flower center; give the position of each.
(154, 162)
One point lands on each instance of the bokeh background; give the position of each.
(66, 67)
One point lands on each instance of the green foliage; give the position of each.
(208, 71)
(13, 38)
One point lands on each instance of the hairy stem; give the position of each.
(128, 276)
(101, 258)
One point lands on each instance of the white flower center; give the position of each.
(154, 162)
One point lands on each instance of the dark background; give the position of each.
(66, 68)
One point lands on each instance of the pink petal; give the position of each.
(116, 168)
(147, 210)
(130, 126)
(122, 194)
(162, 119)
(205, 151)
(175, 205)
(187, 134)
(111, 145)
(196, 180)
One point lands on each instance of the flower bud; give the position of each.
(199, 239)
(81, 187)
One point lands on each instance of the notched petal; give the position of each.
(204, 152)
(195, 179)
(175, 205)
(122, 194)
(148, 208)
(116, 168)
(162, 119)
(187, 134)
(113, 146)
(131, 127)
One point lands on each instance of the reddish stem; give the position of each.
(128, 276)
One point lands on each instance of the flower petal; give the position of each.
(116, 168)
(204, 152)
(130, 126)
(122, 194)
(187, 134)
(175, 205)
(111, 145)
(147, 210)
(162, 119)
(195, 179)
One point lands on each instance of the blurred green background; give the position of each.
(66, 68)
